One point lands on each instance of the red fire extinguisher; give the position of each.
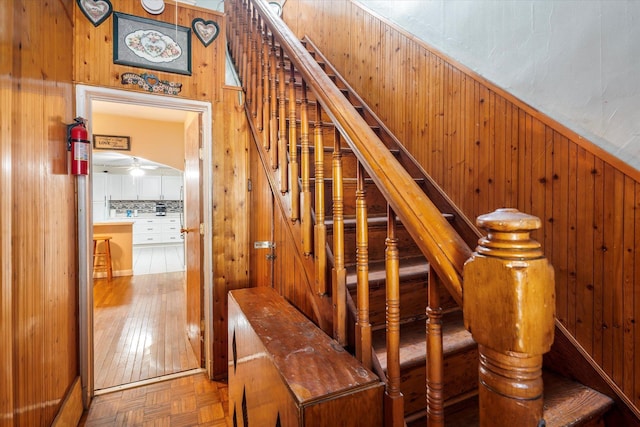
(78, 144)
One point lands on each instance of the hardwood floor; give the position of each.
(187, 401)
(139, 329)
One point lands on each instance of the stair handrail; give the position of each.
(439, 242)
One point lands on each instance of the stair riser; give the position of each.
(406, 245)
(376, 203)
(413, 301)
(460, 373)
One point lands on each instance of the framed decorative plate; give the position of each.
(146, 43)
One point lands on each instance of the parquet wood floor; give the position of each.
(140, 329)
(192, 400)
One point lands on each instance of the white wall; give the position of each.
(578, 61)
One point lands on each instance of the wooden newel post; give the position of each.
(509, 308)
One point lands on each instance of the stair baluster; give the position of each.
(435, 356)
(394, 402)
(320, 228)
(237, 49)
(273, 107)
(293, 148)
(266, 104)
(363, 325)
(282, 126)
(305, 196)
(242, 43)
(254, 98)
(339, 272)
(508, 266)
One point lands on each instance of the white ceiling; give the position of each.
(118, 163)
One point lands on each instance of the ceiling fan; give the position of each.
(133, 167)
(136, 169)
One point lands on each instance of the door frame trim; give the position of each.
(84, 97)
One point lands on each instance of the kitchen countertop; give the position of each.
(125, 218)
(115, 221)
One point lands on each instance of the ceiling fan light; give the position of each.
(136, 172)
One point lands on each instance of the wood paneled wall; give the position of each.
(38, 250)
(93, 65)
(93, 52)
(488, 150)
(230, 214)
(288, 273)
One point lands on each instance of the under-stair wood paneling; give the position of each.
(487, 150)
(261, 203)
(230, 213)
(38, 291)
(293, 278)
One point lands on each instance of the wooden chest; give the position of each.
(285, 371)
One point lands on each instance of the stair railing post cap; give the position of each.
(508, 219)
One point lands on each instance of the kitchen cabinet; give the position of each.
(99, 186)
(99, 211)
(114, 187)
(126, 187)
(171, 187)
(157, 230)
(99, 196)
(150, 187)
(107, 186)
(147, 230)
(129, 187)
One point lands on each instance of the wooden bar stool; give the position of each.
(102, 260)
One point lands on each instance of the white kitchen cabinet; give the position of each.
(150, 187)
(171, 187)
(129, 187)
(147, 230)
(156, 230)
(114, 187)
(170, 228)
(99, 186)
(99, 196)
(99, 211)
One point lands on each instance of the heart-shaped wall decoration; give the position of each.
(206, 31)
(96, 11)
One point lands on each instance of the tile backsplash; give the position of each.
(144, 206)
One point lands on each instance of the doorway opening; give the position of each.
(138, 355)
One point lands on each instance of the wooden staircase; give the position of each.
(567, 403)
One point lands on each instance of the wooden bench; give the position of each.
(285, 371)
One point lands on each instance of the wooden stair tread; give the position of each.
(412, 340)
(566, 404)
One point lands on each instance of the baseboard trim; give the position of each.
(71, 409)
